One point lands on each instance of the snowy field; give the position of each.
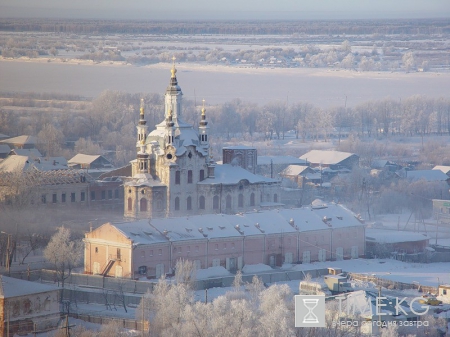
(321, 87)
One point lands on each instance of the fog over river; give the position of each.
(218, 84)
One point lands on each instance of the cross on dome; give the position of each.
(173, 70)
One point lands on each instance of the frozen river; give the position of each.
(218, 84)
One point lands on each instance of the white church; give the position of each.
(174, 175)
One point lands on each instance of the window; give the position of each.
(224, 246)
(202, 175)
(179, 250)
(54, 198)
(160, 252)
(196, 249)
(216, 202)
(188, 249)
(96, 249)
(143, 205)
(228, 202)
(44, 198)
(109, 194)
(116, 194)
(252, 199)
(83, 196)
(63, 197)
(72, 197)
(177, 177)
(216, 246)
(240, 200)
(118, 253)
(275, 197)
(103, 195)
(130, 204)
(143, 254)
(151, 252)
(92, 196)
(189, 176)
(142, 270)
(232, 245)
(189, 203)
(177, 203)
(202, 202)
(444, 291)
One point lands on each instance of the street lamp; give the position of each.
(8, 253)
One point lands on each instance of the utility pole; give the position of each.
(8, 253)
(143, 320)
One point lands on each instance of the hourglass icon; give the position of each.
(310, 304)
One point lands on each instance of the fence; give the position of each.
(141, 287)
(389, 284)
(131, 324)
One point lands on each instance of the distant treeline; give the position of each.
(403, 26)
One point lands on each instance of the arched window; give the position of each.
(202, 202)
(252, 199)
(190, 177)
(177, 203)
(130, 204)
(240, 200)
(189, 203)
(202, 175)
(275, 197)
(216, 202)
(228, 202)
(143, 205)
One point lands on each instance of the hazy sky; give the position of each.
(226, 9)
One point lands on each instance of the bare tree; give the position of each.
(63, 253)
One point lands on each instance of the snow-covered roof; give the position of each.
(185, 136)
(279, 160)
(4, 148)
(445, 169)
(23, 140)
(12, 287)
(84, 158)
(255, 223)
(379, 163)
(15, 163)
(33, 153)
(428, 175)
(239, 147)
(140, 232)
(294, 170)
(326, 157)
(392, 236)
(229, 174)
(24, 163)
(143, 179)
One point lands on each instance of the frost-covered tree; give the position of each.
(64, 253)
(348, 61)
(408, 61)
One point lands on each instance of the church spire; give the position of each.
(203, 128)
(203, 122)
(173, 96)
(173, 71)
(142, 120)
